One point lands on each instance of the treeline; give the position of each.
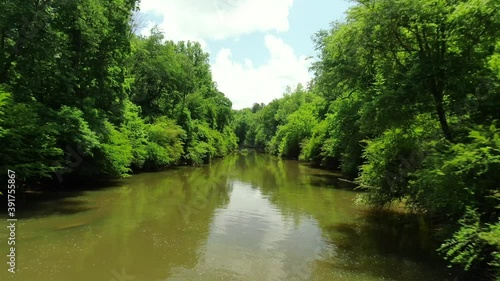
(81, 95)
(406, 100)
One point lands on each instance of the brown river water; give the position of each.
(245, 217)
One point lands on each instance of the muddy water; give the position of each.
(245, 217)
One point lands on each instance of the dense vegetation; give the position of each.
(81, 95)
(405, 99)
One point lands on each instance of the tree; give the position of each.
(84, 86)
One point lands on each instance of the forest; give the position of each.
(83, 96)
(404, 101)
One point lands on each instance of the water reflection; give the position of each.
(251, 239)
(246, 217)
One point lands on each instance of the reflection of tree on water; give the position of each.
(250, 217)
(136, 226)
(176, 236)
(251, 240)
(366, 242)
(393, 245)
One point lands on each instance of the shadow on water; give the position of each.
(389, 233)
(336, 181)
(379, 243)
(390, 244)
(70, 196)
(64, 199)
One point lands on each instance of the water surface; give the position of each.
(246, 217)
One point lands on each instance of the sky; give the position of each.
(257, 47)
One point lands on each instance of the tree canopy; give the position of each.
(81, 95)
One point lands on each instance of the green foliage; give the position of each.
(116, 152)
(473, 243)
(28, 136)
(206, 143)
(165, 146)
(75, 130)
(89, 98)
(312, 147)
(457, 179)
(392, 158)
(242, 125)
(135, 128)
(344, 136)
(4, 101)
(494, 61)
(461, 175)
(281, 126)
(298, 127)
(384, 173)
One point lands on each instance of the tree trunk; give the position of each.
(4, 71)
(438, 101)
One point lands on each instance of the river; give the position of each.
(244, 217)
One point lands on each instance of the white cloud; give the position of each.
(244, 83)
(146, 31)
(218, 19)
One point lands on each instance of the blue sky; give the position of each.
(257, 47)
